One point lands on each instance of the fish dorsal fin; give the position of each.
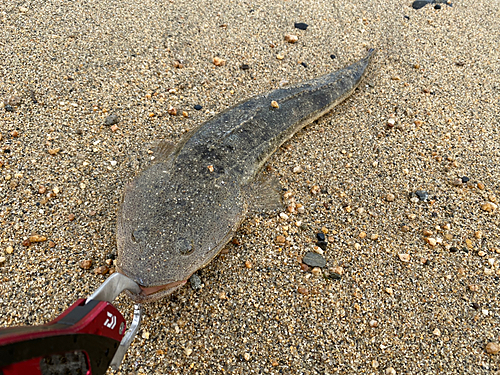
(264, 194)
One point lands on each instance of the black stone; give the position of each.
(303, 64)
(334, 276)
(422, 195)
(322, 244)
(9, 108)
(333, 57)
(111, 120)
(321, 236)
(195, 282)
(407, 17)
(475, 305)
(244, 66)
(314, 260)
(437, 6)
(79, 131)
(301, 25)
(111, 256)
(453, 249)
(198, 107)
(465, 179)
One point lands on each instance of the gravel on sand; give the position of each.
(426, 115)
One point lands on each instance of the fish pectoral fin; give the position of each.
(264, 194)
(163, 150)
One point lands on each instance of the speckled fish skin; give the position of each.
(177, 214)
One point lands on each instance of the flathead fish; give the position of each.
(178, 213)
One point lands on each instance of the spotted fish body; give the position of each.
(179, 213)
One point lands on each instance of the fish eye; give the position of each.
(185, 246)
(136, 235)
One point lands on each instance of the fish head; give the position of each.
(171, 225)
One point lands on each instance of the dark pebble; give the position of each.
(437, 6)
(111, 256)
(303, 64)
(322, 244)
(334, 276)
(465, 179)
(244, 67)
(9, 108)
(333, 57)
(195, 282)
(418, 4)
(111, 120)
(198, 107)
(453, 249)
(422, 195)
(301, 25)
(407, 17)
(314, 260)
(79, 131)
(475, 305)
(321, 236)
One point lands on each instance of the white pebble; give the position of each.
(284, 216)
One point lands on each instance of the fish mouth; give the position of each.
(154, 293)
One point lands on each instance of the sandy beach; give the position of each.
(402, 179)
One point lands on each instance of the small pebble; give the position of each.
(188, 351)
(172, 111)
(244, 66)
(492, 348)
(9, 108)
(321, 236)
(301, 25)
(275, 104)
(86, 264)
(373, 323)
(198, 107)
(465, 179)
(246, 356)
(437, 6)
(9, 250)
(436, 332)
(390, 197)
(248, 264)
(290, 38)
(390, 371)
(338, 270)
(284, 216)
(313, 259)
(111, 120)
(298, 169)
(195, 282)
(422, 195)
(322, 245)
(102, 270)
(489, 207)
(37, 238)
(404, 257)
(280, 239)
(431, 241)
(302, 290)
(2, 260)
(316, 271)
(218, 61)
